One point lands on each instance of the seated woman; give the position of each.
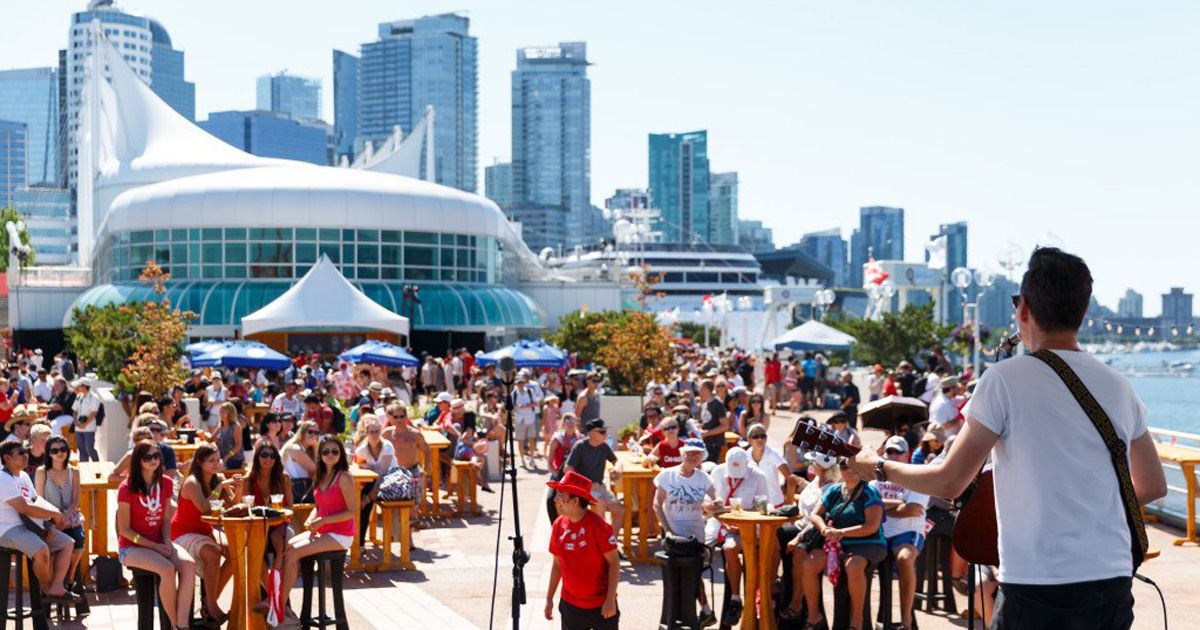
(299, 457)
(228, 436)
(266, 477)
(58, 481)
(854, 512)
(331, 525)
(666, 453)
(144, 513)
(378, 455)
(203, 486)
(471, 449)
(270, 429)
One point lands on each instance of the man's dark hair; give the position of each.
(10, 447)
(1057, 286)
(583, 503)
(312, 398)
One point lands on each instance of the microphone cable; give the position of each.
(1160, 596)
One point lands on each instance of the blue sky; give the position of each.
(1077, 119)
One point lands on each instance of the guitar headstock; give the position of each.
(807, 435)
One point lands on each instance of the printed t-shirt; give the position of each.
(11, 487)
(894, 525)
(146, 511)
(580, 549)
(685, 498)
(854, 514)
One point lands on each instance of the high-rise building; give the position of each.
(269, 135)
(1130, 305)
(755, 238)
(143, 43)
(30, 96)
(345, 103)
(551, 141)
(1176, 308)
(829, 248)
(47, 216)
(995, 306)
(498, 184)
(880, 235)
(13, 157)
(679, 185)
(290, 96)
(628, 199)
(956, 256)
(416, 63)
(723, 208)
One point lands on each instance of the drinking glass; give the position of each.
(736, 504)
(248, 500)
(216, 505)
(277, 501)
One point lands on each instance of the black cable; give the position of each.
(1160, 596)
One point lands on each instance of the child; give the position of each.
(470, 449)
(550, 416)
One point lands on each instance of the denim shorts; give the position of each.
(915, 539)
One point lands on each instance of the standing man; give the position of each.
(851, 398)
(86, 409)
(585, 560)
(773, 375)
(588, 458)
(1050, 461)
(808, 381)
(713, 421)
(525, 405)
(587, 406)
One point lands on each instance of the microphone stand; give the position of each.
(519, 556)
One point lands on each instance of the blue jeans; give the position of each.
(85, 441)
(1098, 605)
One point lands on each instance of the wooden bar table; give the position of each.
(93, 505)
(731, 440)
(758, 543)
(184, 452)
(362, 478)
(1187, 459)
(255, 413)
(437, 443)
(247, 536)
(637, 482)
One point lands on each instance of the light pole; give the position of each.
(824, 298)
(962, 278)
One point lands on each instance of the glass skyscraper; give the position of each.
(30, 96)
(756, 238)
(723, 209)
(290, 96)
(345, 103)
(269, 135)
(427, 61)
(13, 157)
(679, 185)
(880, 235)
(956, 256)
(47, 216)
(828, 248)
(497, 184)
(551, 144)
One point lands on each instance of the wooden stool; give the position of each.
(935, 587)
(464, 489)
(38, 610)
(335, 563)
(388, 512)
(145, 584)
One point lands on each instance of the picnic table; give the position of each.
(93, 505)
(1187, 458)
(637, 482)
(758, 545)
(437, 443)
(362, 478)
(255, 412)
(247, 537)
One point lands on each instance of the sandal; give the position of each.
(791, 613)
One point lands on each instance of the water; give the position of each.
(1171, 397)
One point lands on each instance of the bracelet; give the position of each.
(137, 539)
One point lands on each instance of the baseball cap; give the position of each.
(896, 443)
(737, 460)
(693, 445)
(442, 398)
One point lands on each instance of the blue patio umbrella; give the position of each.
(527, 354)
(200, 347)
(378, 352)
(251, 354)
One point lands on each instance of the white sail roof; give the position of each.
(396, 156)
(323, 299)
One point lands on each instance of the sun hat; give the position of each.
(737, 460)
(457, 403)
(82, 382)
(375, 386)
(740, 389)
(443, 397)
(573, 483)
(21, 413)
(753, 427)
(693, 445)
(681, 408)
(896, 443)
(821, 459)
(948, 382)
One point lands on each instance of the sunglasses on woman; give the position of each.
(152, 457)
(327, 451)
(268, 455)
(758, 436)
(58, 451)
(670, 427)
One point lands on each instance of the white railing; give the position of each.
(56, 276)
(1173, 507)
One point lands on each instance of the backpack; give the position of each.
(339, 420)
(398, 484)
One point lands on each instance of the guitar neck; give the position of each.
(809, 436)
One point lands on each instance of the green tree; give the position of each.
(896, 336)
(105, 337)
(6, 215)
(695, 332)
(577, 332)
(637, 350)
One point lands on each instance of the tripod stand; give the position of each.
(519, 556)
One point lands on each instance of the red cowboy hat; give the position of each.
(574, 483)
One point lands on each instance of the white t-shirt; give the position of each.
(931, 388)
(685, 498)
(943, 411)
(12, 487)
(1059, 508)
(754, 484)
(521, 397)
(84, 407)
(381, 464)
(810, 498)
(771, 461)
(892, 525)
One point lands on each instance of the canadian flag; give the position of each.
(874, 272)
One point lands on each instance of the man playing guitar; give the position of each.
(1065, 545)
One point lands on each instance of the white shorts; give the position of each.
(341, 539)
(527, 431)
(601, 493)
(193, 544)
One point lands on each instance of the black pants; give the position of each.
(1099, 605)
(576, 618)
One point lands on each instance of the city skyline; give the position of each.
(1074, 128)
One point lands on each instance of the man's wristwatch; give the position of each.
(880, 474)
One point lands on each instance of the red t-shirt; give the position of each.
(889, 387)
(146, 512)
(669, 455)
(580, 549)
(772, 371)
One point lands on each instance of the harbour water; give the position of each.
(1172, 395)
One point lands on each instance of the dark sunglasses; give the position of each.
(152, 457)
(274, 420)
(1016, 300)
(600, 430)
(58, 451)
(268, 455)
(892, 451)
(670, 427)
(326, 451)
(758, 436)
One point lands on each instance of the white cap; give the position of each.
(896, 442)
(443, 398)
(737, 461)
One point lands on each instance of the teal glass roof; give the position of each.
(443, 305)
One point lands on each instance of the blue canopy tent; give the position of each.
(528, 354)
(244, 354)
(378, 352)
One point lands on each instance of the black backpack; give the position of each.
(339, 420)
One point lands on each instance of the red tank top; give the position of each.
(329, 502)
(187, 520)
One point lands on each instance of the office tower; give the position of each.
(47, 215)
(1176, 308)
(30, 96)
(828, 248)
(498, 183)
(628, 199)
(995, 307)
(13, 157)
(551, 142)
(956, 256)
(345, 103)
(723, 208)
(414, 64)
(880, 235)
(269, 135)
(143, 43)
(1130, 305)
(679, 185)
(755, 238)
(290, 96)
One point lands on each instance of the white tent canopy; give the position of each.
(323, 299)
(813, 335)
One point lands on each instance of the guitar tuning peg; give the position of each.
(803, 446)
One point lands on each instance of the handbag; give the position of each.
(683, 546)
(398, 484)
(810, 536)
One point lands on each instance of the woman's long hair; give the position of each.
(196, 466)
(137, 484)
(48, 464)
(341, 465)
(263, 429)
(303, 430)
(275, 481)
(227, 410)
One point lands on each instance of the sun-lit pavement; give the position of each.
(452, 586)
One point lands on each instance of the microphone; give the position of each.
(1008, 344)
(508, 370)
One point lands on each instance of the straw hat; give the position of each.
(21, 413)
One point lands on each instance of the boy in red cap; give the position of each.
(585, 559)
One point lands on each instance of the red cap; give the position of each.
(573, 483)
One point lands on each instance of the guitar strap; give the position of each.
(1116, 449)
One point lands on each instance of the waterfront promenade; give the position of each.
(451, 588)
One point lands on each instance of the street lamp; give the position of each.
(824, 298)
(962, 278)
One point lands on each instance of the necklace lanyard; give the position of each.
(733, 487)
